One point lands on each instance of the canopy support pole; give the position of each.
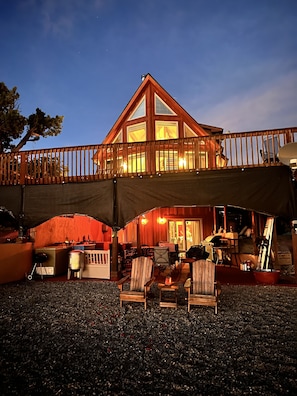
(115, 273)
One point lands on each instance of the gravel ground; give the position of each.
(72, 338)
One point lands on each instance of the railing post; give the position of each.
(23, 168)
(294, 244)
(114, 160)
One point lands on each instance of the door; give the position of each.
(185, 233)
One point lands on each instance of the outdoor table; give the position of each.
(168, 295)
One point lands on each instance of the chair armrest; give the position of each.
(218, 288)
(122, 281)
(187, 283)
(149, 283)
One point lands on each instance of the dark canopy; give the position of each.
(116, 202)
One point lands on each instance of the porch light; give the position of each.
(182, 163)
(124, 166)
(161, 220)
(144, 220)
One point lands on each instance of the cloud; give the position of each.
(59, 17)
(264, 107)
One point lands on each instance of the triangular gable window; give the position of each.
(161, 107)
(118, 138)
(189, 132)
(139, 111)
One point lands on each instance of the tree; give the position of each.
(14, 126)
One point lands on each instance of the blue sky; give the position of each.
(230, 63)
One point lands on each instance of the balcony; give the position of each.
(107, 161)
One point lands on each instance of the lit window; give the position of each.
(166, 130)
(136, 163)
(118, 138)
(202, 160)
(161, 107)
(120, 165)
(188, 160)
(139, 110)
(167, 160)
(136, 132)
(188, 132)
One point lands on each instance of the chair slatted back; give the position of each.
(161, 255)
(203, 277)
(141, 273)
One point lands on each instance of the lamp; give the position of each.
(124, 166)
(144, 220)
(182, 163)
(161, 220)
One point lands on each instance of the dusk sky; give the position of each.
(229, 63)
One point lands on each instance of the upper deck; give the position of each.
(107, 161)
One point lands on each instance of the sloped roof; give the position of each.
(149, 86)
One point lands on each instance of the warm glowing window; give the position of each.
(139, 110)
(136, 162)
(202, 160)
(188, 160)
(194, 160)
(118, 138)
(188, 132)
(167, 160)
(118, 166)
(136, 132)
(185, 233)
(166, 130)
(161, 107)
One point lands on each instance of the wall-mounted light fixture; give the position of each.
(182, 163)
(161, 220)
(144, 220)
(124, 166)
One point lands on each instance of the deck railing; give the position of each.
(105, 161)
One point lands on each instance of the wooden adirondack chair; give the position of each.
(202, 288)
(141, 279)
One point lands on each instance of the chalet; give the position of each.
(158, 176)
(180, 145)
(153, 115)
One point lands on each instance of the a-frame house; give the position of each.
(153, 114)
(159, 175)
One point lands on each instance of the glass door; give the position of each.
(185, 233)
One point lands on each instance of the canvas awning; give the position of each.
(116, 202)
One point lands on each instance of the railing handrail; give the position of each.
(264, 132)
(105, 161)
